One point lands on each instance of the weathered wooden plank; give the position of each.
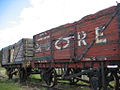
(17, 52)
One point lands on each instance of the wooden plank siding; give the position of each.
(70, 41)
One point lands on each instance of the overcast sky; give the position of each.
(25, 18)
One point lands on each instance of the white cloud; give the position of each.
(47, 14)
(12, 22)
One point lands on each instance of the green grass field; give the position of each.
(6, 84)
(9, 85)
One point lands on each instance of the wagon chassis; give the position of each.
(17, 69)
(97, 71)
(98, 77)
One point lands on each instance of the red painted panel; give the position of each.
(72, 39)
(62, 54)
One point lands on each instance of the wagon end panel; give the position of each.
(27, 49)
(6, 56)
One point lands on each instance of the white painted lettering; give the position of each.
(99, 34)
(81, 38)
(67, 40)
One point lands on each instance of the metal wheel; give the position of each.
(112, 81)
(94, 82)
(52, 79)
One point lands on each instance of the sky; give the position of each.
(26, 18)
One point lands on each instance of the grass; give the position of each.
(9, 85)
(2, 68)
(35, 76)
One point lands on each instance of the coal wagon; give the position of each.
(90, 46)
(87, 51)
(16, 57)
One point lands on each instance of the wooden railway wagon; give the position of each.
(90, 46)
(17, 56)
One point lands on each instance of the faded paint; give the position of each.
(69, 42)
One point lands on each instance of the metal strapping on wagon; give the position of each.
(49, 57)
(86, 72)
